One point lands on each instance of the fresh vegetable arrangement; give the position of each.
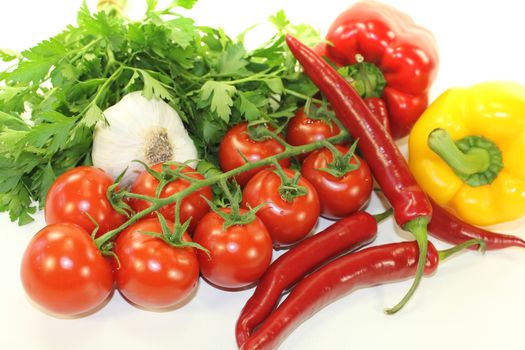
(162, 151)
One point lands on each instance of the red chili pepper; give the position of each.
(368, 267)
(412, 209)
(378, 108)
(365, 268)
(405, 53)
(449, 228)
(346, 234)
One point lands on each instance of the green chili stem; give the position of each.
(157, 203)
(418, 227)
(444, 254)
(384, 215)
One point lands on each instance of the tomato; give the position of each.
(63, 271)
(152, 273)
(192, 206)
(302, 130)
(239, 254)
(339, 196)
(236, 142)
(79, 191)
(286, 221)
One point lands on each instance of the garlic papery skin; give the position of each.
(139, 129)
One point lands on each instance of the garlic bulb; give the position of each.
(139, 129)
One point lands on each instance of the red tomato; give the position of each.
(64, 272)
(237, 142)
(153, 274)
(286, 221)
(192, 206)
(79, 191)
(339, 196)
(302, 130)
(239, 254)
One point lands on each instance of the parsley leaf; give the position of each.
(220, 95)
(8, 55)
(279, 20)
(92, 116)
(187, 4)
(153, 87)
(231, 60)
(248, 108)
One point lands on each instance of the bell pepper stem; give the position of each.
(476, 160)
(418, 227)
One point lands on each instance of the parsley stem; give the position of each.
(256, 77)
(103, 87)
(302, 96)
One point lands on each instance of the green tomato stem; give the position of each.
(157, 203)
(309, 99)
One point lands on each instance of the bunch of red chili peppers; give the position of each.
(263, 325)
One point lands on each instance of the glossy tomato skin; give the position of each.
(287, 222)
(239, 254)
(302, 130)
(339, 197)
(193, 205)
(153, 274)
(238, 141)
(63, 271)
(79, 191)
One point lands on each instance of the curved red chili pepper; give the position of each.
(346, 234)
(450, 229)
(368, 267)
(412, 210)
(404, 52)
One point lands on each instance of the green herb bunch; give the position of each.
(54, 93)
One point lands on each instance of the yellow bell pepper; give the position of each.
(467, 151)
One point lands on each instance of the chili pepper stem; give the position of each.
(444, 254)
(418, 227)
(384, 215)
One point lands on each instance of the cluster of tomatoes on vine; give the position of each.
(152, 246)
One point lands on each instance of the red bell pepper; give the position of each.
(403, 52)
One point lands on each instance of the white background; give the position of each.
(472, 301)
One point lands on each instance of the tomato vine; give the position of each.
(195, 185)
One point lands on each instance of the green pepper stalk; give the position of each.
(474, 159)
